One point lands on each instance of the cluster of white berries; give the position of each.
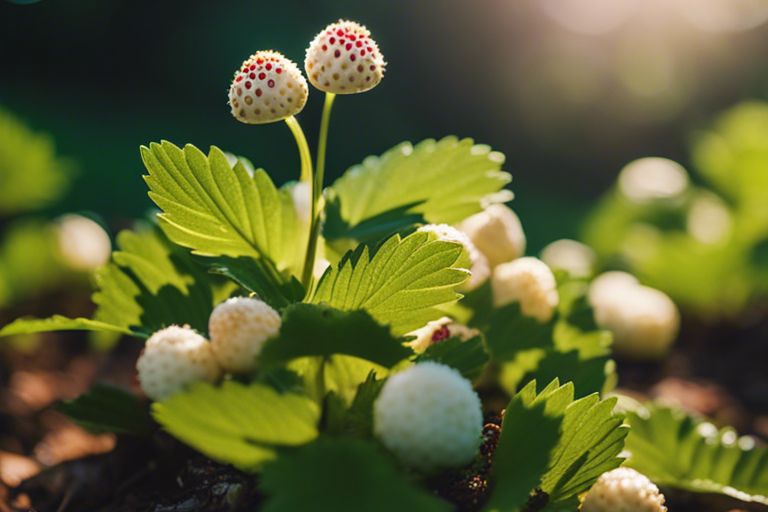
(430, 417)
(175, 357)
(438, 331)
(269, 87)
(644, 321)
(623, 490)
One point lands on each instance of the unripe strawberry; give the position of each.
(430, 417)
(438, 331)
(528, 281)
(173, 358)
(343, 59)
(239, 327)
(497, 233)
(623, 490)
(268, 87)
(473, 260)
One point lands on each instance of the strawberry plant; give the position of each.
(378, 343)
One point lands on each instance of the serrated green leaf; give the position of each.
(529, 433)
(317, 330)
(591, 440)
(400, 284)
(150, 284)
(219, 210)
(469, 357)
(450, 178)
(108, 409)
(342, 475)
(236, 423)
(674, 449)
(260, 277)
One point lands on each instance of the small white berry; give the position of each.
(608, 285)
(438, 331)
(528, 281)
(623, 490)
(343, 59)
(474, 260)
(652, 178)
(571, 256)
(497, 233)
(268, 87)
(644, 321)
(173, 358)
(239, 327)
(430, 417)
(83, 243)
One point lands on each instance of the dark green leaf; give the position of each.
(529, 434)
(370, 230)
(108, 409)
(511, 332)
(316, 330)
(259, 276)
(469, 357)
(342, 475)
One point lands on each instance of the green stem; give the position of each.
(301, 142)
(317, 190)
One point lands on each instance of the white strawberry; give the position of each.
(239, 327)
(497, 233)
(173, 358)
(623, 490)
(268, 87)
(571, 256)
(528, 281)
(429, 417)
(343, 59)
(438, 331)
(644, 321)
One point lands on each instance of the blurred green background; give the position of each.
(569, 90)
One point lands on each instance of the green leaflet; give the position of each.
(148, 285)
(315, 330)
(447, 180)
(342, 475)
(400, 284)
(108, 409)
(555, 444)
(677, 450)
(529, 433)
(219, 210)
(31, 173)
(260, 277)
(237, 423)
